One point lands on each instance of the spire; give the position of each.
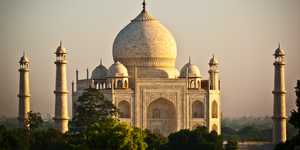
(87, 73)
(60, 43)
(24, 59)
(77, 72)
(279, 45)
(190, 60)
(144, 5)
(101, 61)
(24, 53)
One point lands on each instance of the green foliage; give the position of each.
(231, 145)
(48, 140)
(110, 134)
(295, 118)
(229, 133)
(92, 107)
(250, 133)
(154, 141)
(13, 139)
(251, 129)
(241, 122)
(196, 139)
(34, 120)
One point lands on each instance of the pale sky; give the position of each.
(241, 33)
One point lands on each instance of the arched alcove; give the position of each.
(161, 116)
(198, 109)
(124, 108)
(215, 109)
(119, 84)
(215, 128)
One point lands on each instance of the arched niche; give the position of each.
(124, 108)
(214, 127)
(197, 109)
(161, 116)
(215, 110)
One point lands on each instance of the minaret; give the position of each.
(214, 96)
(24, 91)
(213, 74)
(279, 106)
(61, 91)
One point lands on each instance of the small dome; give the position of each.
(117, 70)
(190, 70)
(279, 52)
(60, 49)
(213, 61)
(24, 59)
(100, 72)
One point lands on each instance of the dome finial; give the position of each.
(60, 43)
(190, 60)
(24, 53)
(144, 5)
(279, 45)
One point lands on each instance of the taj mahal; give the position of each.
(146, 87)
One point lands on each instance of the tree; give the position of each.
(12, 139)
(198, 138)
(295, 117)
(229, 133)
(34, 120)
(154, 141)
(48, 140)
(92, 107)
(110, 134)
(231, 145)
(250, 133)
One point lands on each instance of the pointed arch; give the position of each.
(198, 109)
(214, 128)
(124, 108)
(215, 110)
(125, 84)
(119, 84)
(192, 84)
(198, 84)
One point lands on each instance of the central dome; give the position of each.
(144, 42)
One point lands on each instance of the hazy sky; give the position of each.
(241, 33)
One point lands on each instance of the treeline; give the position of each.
(109, 134)
(252, 129)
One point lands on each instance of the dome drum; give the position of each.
(147, 61)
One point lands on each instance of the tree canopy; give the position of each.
(92, 107)
(198, 138)
(34, 120)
